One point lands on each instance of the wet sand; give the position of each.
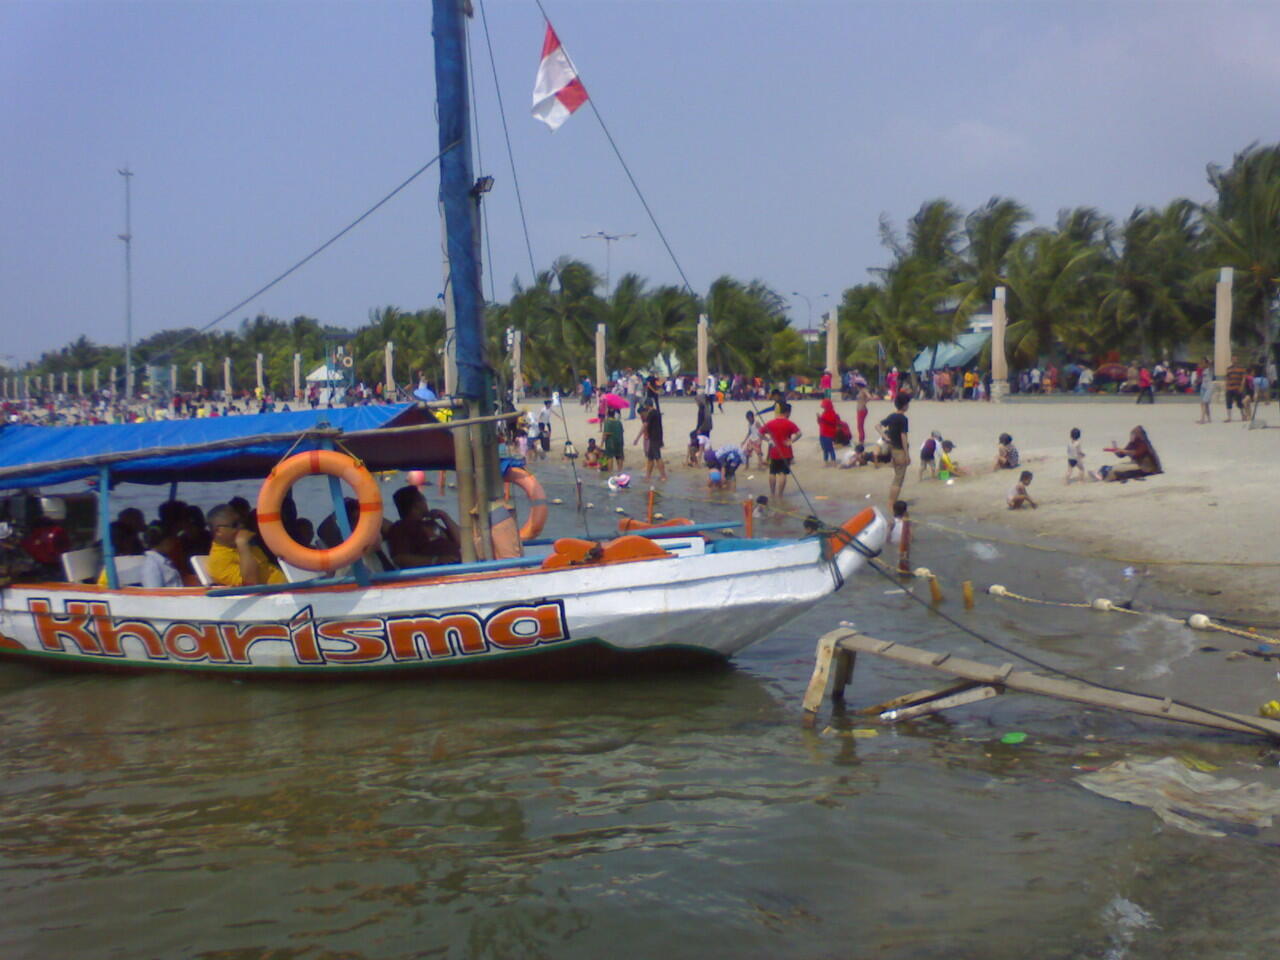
(1208, 524)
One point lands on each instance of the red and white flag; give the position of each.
(557, 91)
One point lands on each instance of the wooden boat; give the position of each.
(663, 595)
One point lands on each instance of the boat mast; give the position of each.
(474, 446)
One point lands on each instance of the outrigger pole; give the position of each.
(475, 451)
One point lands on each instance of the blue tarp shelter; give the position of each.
(955, 354)
(216, 448)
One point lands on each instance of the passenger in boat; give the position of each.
(48, 540)
(124, 542)
(305, 532)
(233, 559)
(422, 537)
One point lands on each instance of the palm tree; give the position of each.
(1245, 229)
(671, 331)
(990, 233)
(1049, 275)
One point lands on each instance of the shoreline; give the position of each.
(1207, 525)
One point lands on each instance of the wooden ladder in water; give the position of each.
(838, 650)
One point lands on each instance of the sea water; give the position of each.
(657, 815)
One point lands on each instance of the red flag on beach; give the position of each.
(557, 91)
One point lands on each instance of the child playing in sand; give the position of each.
(1018, 493)
(929, 454)
(752, 442)
(947, 462)
(1075, 456)
(761, 509)
(856, 456)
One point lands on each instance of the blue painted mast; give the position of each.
(474, 446)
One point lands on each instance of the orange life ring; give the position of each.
(331, 463)
(527, 482)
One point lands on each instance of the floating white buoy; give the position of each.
(557, 500)
(1199, 621)
(590, 505)
(618, 510)
(1102, 603)
(751, 476)
(924, 573)
(997, 590)
(951, 481)
(659, 516)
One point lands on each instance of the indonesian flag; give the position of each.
(557, 91)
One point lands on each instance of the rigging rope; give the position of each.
(591, 102)
(511, 157)
(311, 256)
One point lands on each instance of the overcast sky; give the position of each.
(768, 138)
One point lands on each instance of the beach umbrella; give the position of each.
(612, 401)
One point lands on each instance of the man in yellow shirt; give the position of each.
(233, 560)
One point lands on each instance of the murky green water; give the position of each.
(653, 816)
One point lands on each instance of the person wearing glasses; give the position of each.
(233, 559)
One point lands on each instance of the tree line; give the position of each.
(1087, 286)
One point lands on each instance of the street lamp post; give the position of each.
(127, 237)
(609, 239)
(808, 337)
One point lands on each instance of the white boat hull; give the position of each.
(710, 605)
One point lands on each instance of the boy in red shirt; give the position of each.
(780, 432)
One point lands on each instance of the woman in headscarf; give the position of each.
(1146, 462)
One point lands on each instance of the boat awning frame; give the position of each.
(389, 437)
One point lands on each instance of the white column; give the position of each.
(48, 381)
(389, 375)
(199, 374)
(833, 349)
(113, 382)
(297, 376)
(999, 361)
(1222, 324)
(173, 377)
(80, 383)
(96, 379)
(258, 371)
(600, 370)
(703, 370)
(226, 376)
(64, 383)
(517, 366)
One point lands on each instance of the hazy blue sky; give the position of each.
(768, 137)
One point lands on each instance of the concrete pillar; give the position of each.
(112, 382)
(173, 378)
(517, 366)
(199, 374)
(703, 337)
(1222, 324)
(389, 374)
(96, 379)
(48, 382)
(297, 376)
(258, 372)
(226, 377)
(999, 359)
(64, 383)
(80, 383)
(601, 373)
(833, 349)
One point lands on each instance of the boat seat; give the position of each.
(298, 575)
(81, 566)
(200, 564)
(129, 571)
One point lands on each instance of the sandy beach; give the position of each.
(1207, 525)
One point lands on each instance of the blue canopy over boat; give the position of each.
(218, 448)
